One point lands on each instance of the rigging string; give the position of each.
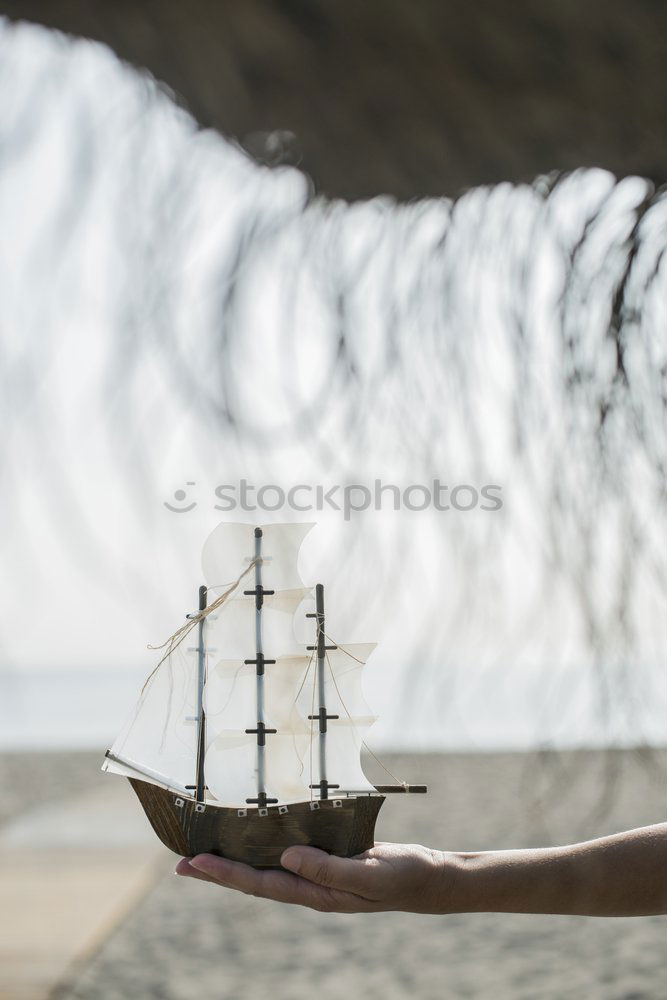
(362, 741)
(293, 705)
(212, 715)
(174, 641)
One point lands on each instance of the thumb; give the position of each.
(325, 869)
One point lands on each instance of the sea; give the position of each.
(53, 709)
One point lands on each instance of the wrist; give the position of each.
(472, 883)
(453, 883)
(534, 880)
(521, 881)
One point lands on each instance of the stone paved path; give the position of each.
(70, 870)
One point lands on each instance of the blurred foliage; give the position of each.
(168, 296)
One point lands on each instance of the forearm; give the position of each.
(621, 875)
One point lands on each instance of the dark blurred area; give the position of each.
(408, 99)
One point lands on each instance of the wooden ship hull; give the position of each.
(258, 837)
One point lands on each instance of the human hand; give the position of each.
(387, 877)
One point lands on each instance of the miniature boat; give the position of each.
(246, 741)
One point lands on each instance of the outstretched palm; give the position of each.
(387, 877)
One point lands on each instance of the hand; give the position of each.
(387, 877)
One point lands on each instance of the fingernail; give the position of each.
(204, 864)
(291, 859)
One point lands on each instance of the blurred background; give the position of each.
(301, 243)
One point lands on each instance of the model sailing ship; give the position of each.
(245, 742)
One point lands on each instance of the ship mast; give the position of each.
(200, 787)
(323, 785)
(260, 661)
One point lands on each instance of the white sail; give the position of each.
(231, 631)
(231, 768)
(230, 548)
(345, 742)
(230, 696)
(160, 739)
(230, 699)
(134, 769)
